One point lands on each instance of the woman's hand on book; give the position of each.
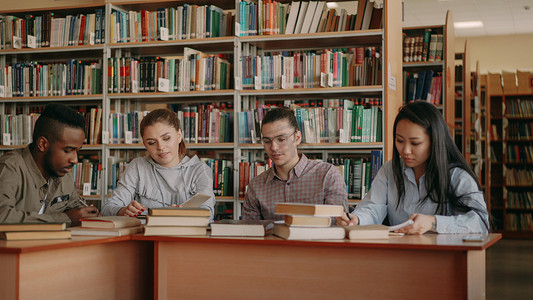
(347, 220)
(422, 224)
(132, 210)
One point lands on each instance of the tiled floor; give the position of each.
(510, 270)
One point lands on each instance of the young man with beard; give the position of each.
(294, 177)
(37, 185)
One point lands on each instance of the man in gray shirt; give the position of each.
(37, 185)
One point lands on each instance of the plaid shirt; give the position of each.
(310, 181)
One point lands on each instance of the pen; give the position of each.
(80, 199)
(348, 215)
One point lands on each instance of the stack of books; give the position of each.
(33, 231)
(253, 228)
(108, 226)
(309, 221)
(177, 221)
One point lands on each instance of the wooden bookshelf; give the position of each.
(511, 120)
(389, 38)
(444, 66)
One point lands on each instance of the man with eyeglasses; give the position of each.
(293, 177)
(37, 185)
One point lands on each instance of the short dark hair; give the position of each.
(281, 113)
(53, 119)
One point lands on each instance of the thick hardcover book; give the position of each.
(176, 221)
(105, 231)
(309, 233)
(307, 221)
(242, 228)
(32, 226)
(372, 232)
(35, 235)
(176, 230)
(309, 209)
(179, 211)
(110, 222)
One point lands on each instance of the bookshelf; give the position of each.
(485, 137)
(463, 103)
(118, 98)
(511, 142)
(421, 62)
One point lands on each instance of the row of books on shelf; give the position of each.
(519, 153)
(18, 129)
(519, 222)
(310, 69)
(52, 30)
(348, 124)
(188, 21)
(519, 107)
(518, 177)
(88, 177)
(423, 48)
(34, 79)
(268, 17)
(519, 200)
(424, 85)
(519, 130)
(194, 71)
(222, 172)
(358, 173)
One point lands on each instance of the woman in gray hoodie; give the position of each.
(164, 177)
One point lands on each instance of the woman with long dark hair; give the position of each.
(427, 181)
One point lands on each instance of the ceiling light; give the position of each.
(469, 24)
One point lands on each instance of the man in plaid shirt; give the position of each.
(294, 177)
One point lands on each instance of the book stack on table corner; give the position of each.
(33, 231)
(108, 226)
(309, 221)
(177, 221)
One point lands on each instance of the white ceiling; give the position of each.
(500, 17)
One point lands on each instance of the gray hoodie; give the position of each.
(153, 186)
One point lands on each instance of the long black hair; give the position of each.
(443, 157)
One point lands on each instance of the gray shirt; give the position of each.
(24, 190)
(382, 200)
(153, 186)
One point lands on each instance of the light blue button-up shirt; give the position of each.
(382, 201)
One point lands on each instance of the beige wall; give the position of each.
(499, 53)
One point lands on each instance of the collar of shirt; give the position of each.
(35, 173)
(297, 170)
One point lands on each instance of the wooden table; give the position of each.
(81, 268)
(430, 266)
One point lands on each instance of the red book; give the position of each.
(82, 30)
(144, 25)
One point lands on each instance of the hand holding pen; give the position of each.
(347, 220)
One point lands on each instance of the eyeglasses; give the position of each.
(280, 140)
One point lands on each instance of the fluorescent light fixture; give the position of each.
(331, 5)
(469, 24)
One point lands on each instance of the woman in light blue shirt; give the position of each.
(427, 181)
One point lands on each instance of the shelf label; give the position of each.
(134, 86)
(32, 41)
(2, 91)
(237, 29)
(17, 42)
(164, 33)
(164, 85)
(91, 38)
(129, 137)
(6, 139)
(257, 82)
(86, 189)
(105, 137)
(391, 79)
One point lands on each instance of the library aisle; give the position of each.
(510, 270)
